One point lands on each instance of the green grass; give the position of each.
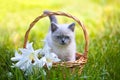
(101, 17)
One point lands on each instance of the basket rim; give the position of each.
(71, 64)
(59, 13)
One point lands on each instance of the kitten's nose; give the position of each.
(63, 42)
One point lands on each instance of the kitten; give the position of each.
(61, 39)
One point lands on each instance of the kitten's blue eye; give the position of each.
(67, 37)
(57, 36)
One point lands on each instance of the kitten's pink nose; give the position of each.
(63, 42)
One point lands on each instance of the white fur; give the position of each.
(64, 52)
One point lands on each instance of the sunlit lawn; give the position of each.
(102, 20)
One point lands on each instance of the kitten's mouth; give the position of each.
(62, 43)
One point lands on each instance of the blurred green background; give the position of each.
(101, 18)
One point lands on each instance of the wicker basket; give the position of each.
(81, 59)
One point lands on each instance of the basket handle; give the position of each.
(61, 14)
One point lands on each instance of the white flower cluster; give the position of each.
(28, 57)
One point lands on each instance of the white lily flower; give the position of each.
(40, 62)
(28, 57)
(50, 58)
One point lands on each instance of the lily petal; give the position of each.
(37, 51)
(25, 51)
(29, 46)
(17, 54)
(42, 62)
(21, 62)
(49, 65)
(16, 58)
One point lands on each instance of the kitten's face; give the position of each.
(62, 34)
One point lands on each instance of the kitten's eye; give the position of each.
(57, 36)
(67, 37)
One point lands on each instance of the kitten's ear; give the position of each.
(53, 27)
(72, 27)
